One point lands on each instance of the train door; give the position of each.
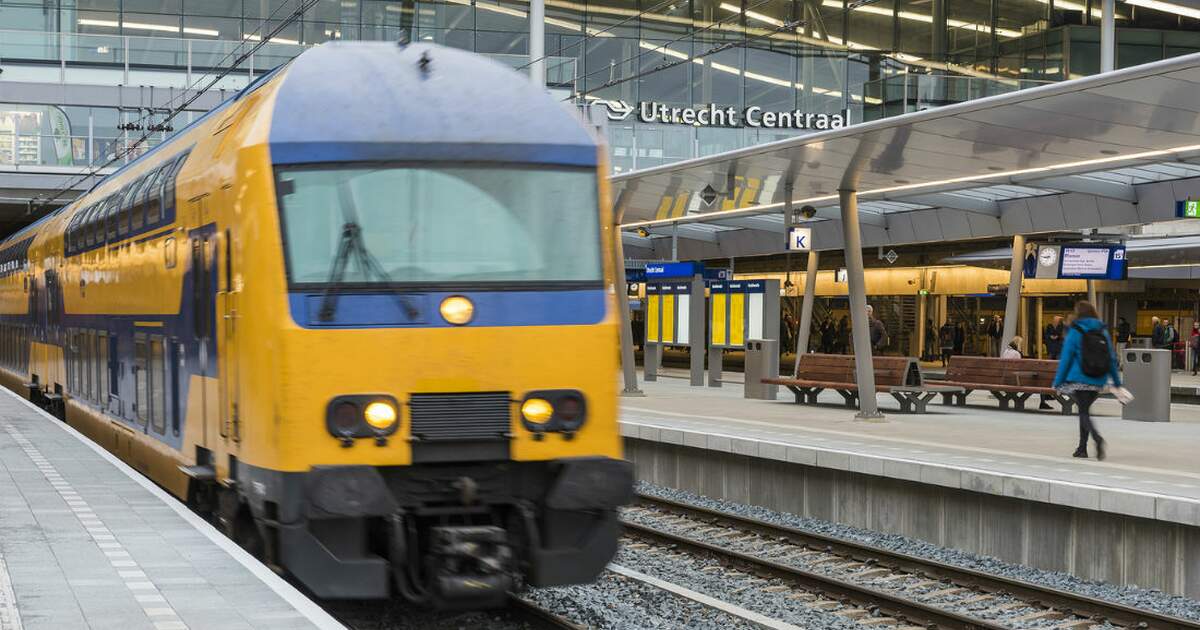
(230, 375)
(202, 314)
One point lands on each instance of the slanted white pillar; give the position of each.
(806, 307)
(864, 365)
(1012, 304)
(537, 41)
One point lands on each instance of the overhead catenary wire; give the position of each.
(220, 63)
(304, 5)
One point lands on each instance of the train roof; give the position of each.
(364, 101)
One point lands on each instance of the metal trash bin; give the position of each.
(762, 361)
(1147, 376)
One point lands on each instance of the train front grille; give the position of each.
(474, 426)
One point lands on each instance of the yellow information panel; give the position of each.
(668, 313)
(740, 312)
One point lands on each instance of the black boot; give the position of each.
(1081, 452)
(1100, 454)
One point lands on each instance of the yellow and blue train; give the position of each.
(362, 314)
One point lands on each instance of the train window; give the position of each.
(137, 213)
(89, 237)
(142, 406)
(110, 219)
(89, 371)
(168, 187)
(95, 225)
(153, 195)
(102, 371)
(157, 374)
(127, 204)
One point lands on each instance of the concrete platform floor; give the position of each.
(1151, 457)
(86, 542)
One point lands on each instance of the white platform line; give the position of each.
(305, 606)
(723, 606)
(10, 617)
(99, 532)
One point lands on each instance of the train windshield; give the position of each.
(440, 225)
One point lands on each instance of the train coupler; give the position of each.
(471, 566)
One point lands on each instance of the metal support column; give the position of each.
(1039, 326)
(1108, 36)
(1013, 303)
(537, 42)
(1091, 292)
(864, 365)
(698, 341)
(806, 307)
(628, 358)
(922, 314)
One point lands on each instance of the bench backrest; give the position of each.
(839, 368)
(993, 371)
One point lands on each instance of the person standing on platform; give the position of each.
(995, 332)
(1013, 350)
(1156, 334)
(828, 335)
(879, 336)
(1124, 330)
(843, 334)
(1087, 365)
(946, 341)
(1053, 337)
(960, 338)
(1194, 344)
(930, 341)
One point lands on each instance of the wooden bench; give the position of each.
(1011, 381)
(898, 376)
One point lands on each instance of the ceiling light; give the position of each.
(190, 30)
(1166, 7)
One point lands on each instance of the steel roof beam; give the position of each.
(686, 231)
(955, 202)
(1086, 186)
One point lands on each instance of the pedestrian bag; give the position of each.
(1094, 351)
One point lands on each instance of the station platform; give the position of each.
(1001, 483)
(87, 542)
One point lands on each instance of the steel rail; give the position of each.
(1061, 600)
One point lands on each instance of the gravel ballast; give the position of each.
(1147, 599)
(615, 601)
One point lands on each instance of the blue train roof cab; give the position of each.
(376, 101)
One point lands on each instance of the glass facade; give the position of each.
(873, 58)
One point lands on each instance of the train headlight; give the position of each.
(457, 310)
(380, 414)
(537, 410)
(554, 411)
(356, 416)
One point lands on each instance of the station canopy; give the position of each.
(1102, 151)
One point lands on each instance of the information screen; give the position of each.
(1083, 262)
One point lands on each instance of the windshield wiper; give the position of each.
(352, 246)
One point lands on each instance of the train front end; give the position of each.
(443, 417)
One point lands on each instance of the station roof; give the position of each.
(1101, 151)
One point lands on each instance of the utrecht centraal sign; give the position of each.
(713, 115)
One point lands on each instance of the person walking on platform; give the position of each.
(1156, 333)
(843, 334)
(960, 338)
(1087, 364)
(946, 341)
(1013, 349)
(1053, 337)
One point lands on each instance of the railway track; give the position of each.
(867, 583)
(538, 617)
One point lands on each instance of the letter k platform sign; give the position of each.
(799, 239)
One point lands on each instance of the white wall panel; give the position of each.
(1046, 213)
(1080, 211)
(955, 225)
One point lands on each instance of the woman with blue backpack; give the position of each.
(1085, 367)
